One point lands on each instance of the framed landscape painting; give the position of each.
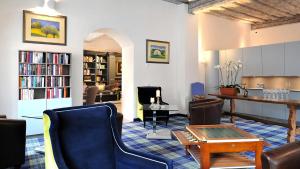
(44, 29)
(157, 51)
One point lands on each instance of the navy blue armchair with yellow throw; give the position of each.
(86, 137)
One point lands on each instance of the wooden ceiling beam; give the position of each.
(283, 21)
(229, 15)
(246, 9)
(204, 4)
(268, 8)
(281, 5)
(296, 3)
(234, 12)
(265, 8)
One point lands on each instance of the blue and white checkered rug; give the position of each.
(134, 136)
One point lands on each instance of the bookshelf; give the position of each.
(44, 83)
(95, 68)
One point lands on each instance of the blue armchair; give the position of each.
(197, 90)
(85, 137)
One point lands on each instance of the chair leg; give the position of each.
(144, 123)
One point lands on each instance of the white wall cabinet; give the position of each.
(252, 61)
(292, 59)
(236, 55)
(273, 60)
(222, 60)
(32, 112)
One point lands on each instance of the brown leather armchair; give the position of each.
(205, 111)
(284, 157)
(12, 142)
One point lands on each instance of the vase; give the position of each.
(228, 91)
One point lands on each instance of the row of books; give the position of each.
(31, 57)
(99, 66)
(27, 69)
(58, 93)
(26, 94)
(58, 58)
(31, 81)
(90, 59)
(29, 94)
(58, 81)
(55, 70)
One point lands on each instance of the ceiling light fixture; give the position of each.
(45, 10)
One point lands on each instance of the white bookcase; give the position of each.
(44, 83)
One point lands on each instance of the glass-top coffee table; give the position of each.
(220, 146)
(162, 133)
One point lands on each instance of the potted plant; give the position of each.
(229, 85)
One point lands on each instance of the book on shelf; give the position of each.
(58, 58)
(31, 57)
(57, 81)
(26, 94)
(31, 82)
(55, 70)
(28, 69)
(57, 93)
(43, 75)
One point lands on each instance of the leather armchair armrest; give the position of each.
(286, 156)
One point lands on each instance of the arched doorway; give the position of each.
(127, 48)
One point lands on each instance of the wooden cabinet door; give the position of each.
(252, 61)
(292, 59)
(273, 60)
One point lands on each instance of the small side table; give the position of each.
(162, 133)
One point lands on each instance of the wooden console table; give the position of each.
(293, 106)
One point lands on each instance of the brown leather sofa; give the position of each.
(12, 142)
(284, 157)
(205, 111)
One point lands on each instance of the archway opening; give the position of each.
(127, 50)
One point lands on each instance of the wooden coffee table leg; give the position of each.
(258, 152)
(292, 124)
(204, 156)
(232, 110)
(186, 149)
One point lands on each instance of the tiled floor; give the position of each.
(134, 136)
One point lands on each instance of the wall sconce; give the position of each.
(45, 10)
(202, 59)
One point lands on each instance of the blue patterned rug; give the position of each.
(134, 136)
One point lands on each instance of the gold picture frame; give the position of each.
(119, 68)
(44, 29)
(157, 51)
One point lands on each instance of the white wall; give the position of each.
(138, 19)
(219, 33)
(277, 34)
(103, 44)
